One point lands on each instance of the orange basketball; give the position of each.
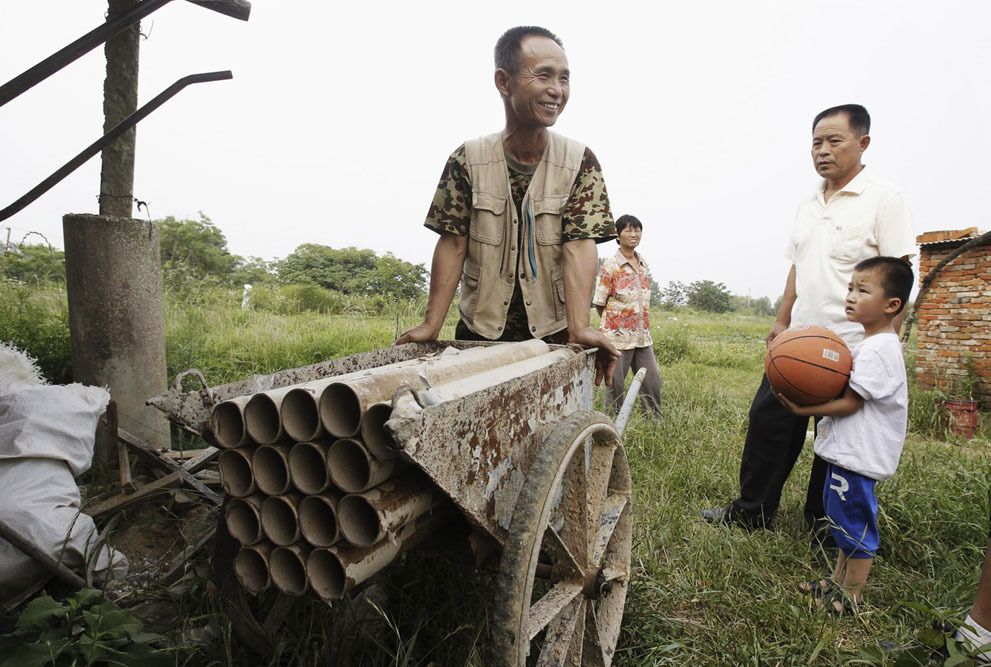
(808, 364)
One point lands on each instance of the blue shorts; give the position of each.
(851, 508)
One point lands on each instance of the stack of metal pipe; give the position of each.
(322, 497)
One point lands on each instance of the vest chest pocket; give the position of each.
(547, 219)
(488, 218)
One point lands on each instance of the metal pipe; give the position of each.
(262, 417)
(270, 465)
(244, 521)
(406, 406)
(342, 404)
(631, 398)
(353, 469)
(318, 518)
(301, 415)
(369, 517)
(288, 568)
(378, 440)
(300, 408)
(251, 566)
(336, 570)
(308, 466)
(236, 474)
(280, 518)
(228, 423)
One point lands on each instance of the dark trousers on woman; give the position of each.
(650, 390)
(774, 440)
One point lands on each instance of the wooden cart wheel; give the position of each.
(566, 564)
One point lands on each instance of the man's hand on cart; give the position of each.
(605, 358)
(421, 333)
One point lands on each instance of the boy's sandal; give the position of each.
(846, 605)
(818, 588)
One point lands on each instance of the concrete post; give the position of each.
(116, 321)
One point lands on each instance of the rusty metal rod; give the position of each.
(318, 518)
(270, 465)
(236, 476)
(288, 568)
(308, 466)
(369, 517)
(119, 129)
(353, 469)
(280, 518)
(244, 520)
(251, 566)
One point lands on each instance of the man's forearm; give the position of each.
(580, 263)
(445, 274)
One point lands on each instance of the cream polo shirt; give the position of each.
(867, 218)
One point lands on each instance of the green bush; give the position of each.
(35, 319)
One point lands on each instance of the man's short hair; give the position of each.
(624, 221)
(860, 120)
(896, 276)
(507, 49)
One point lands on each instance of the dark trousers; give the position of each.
(650, 390)
(774, 440)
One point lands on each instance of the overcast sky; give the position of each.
(340, 116)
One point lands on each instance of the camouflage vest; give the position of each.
(502, 248)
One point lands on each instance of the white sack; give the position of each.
(47, 435)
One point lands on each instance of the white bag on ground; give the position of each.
(47, 435)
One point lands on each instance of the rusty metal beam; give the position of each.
(110, 136)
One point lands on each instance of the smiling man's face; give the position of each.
(538, 93)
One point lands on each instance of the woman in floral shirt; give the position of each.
(622, 297)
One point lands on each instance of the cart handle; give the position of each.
(631, 397)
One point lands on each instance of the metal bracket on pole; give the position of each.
(115, 132)
(239, 9)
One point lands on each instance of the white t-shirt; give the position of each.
(867, 218)
(870, 440)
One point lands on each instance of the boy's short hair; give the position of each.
(896, 276)
(625, 221)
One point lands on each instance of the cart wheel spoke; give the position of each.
(548, 607)
(600, 473)
(612, 509)
(563, 563)
(564, 638)
(572, 511)
(593, 654)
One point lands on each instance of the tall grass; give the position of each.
(709, 595)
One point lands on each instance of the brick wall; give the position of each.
(955, 319)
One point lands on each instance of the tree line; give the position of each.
(197, 250)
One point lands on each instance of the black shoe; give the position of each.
(729, 514)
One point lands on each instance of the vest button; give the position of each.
(512, 248)
(533, 328)
(528, 303)
(498, 328)
(511, 275)
(505, 303)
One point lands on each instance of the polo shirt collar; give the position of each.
(856, 186)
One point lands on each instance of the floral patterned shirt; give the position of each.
(624, 294)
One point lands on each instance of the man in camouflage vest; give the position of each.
(519, 213)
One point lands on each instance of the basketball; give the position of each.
(808, 364)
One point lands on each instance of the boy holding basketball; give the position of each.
(862, 432)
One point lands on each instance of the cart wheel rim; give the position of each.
(573, 525)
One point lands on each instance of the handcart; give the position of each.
(528, 463)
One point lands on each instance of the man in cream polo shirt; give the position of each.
(851, 216)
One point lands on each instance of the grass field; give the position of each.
(708, 595)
